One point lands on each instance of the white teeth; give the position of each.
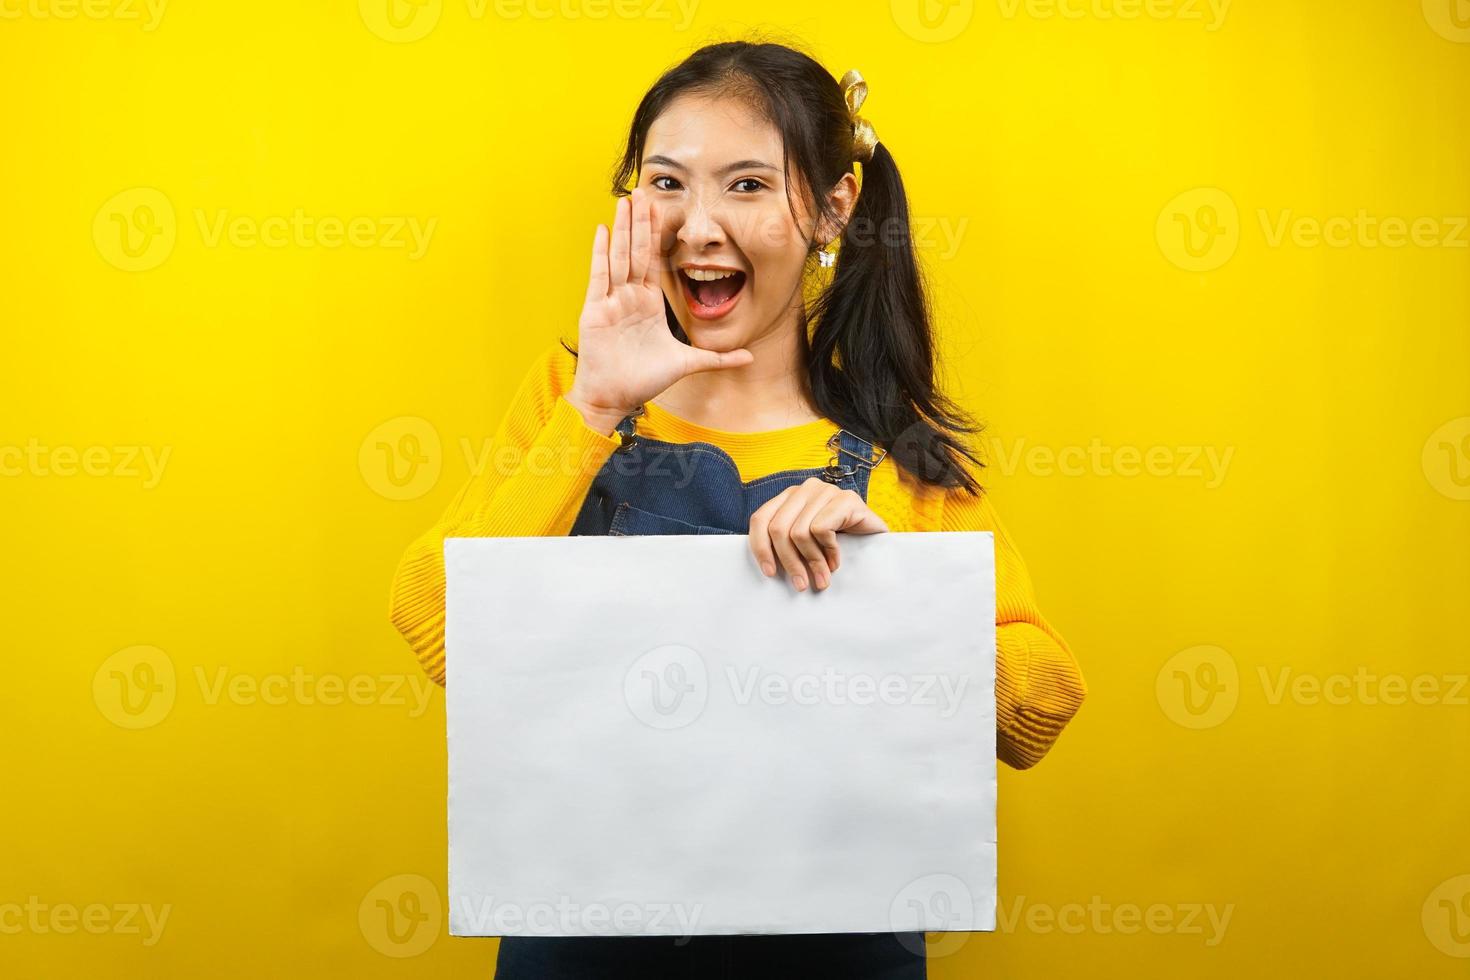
(708, 275)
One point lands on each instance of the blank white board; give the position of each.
(648, 737)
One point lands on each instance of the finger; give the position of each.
(657, 255)
(597, 281)
(818, 498)
(638, 260)
(617, 257)
(832, 518)
(697, 359)
(780, 534)
(760, 538)
(863, 520)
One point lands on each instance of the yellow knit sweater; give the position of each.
(542, 462)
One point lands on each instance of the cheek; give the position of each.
(773, 232)
(778, 269)
(775, 248)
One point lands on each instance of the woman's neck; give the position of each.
(769, 393)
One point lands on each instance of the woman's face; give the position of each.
(734, 252)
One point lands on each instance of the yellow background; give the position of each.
(1065, 152)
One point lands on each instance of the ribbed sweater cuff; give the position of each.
(1034, 707)
(567, 427)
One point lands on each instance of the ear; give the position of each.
(842, 198)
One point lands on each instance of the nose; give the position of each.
(698, 224)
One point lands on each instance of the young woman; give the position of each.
(730, 377)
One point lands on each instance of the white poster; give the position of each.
(649, 737)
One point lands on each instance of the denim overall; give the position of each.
(652, 487)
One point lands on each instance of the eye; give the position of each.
(750, 180)
(656, 184)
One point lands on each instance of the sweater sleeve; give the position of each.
(531, 482)
(1038, 684)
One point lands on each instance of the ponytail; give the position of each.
(872, 352)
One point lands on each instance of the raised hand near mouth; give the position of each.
(626, 353)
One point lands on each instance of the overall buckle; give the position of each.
(835, 470)
(629, 438)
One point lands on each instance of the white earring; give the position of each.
(826, 258)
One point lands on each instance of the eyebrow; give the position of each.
(737, 165)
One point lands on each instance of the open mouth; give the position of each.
(712, 293)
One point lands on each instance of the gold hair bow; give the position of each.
(864, 139)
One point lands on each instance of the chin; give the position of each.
(715, 337)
